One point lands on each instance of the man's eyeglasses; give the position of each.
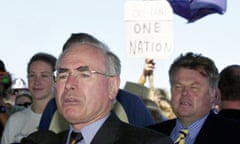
(82, 72)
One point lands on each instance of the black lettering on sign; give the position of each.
(147, 28)
(141, 47)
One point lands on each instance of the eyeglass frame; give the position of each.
(80, 71)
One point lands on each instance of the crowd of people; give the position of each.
(75, 98)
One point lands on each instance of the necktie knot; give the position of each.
(181, 137)
(184, 132)
(75, 137)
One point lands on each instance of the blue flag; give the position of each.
(193, 10)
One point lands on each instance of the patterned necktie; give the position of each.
(181, 137)
(75, 137)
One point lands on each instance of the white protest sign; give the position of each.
(149, 28)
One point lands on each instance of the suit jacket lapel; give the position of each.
(109, 132)
(202, 135)
(63, 136)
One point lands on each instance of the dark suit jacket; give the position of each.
(215, 130)
(230, 113)
(113, 131)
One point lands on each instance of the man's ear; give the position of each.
(217, 100)
(114, 83)
(219, 97)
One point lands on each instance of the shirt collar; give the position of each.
(193, 128)
(90, 130)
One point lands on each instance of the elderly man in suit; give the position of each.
(87, 83)
(194, 81)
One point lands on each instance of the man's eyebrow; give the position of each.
(62, 70)
(83, 68)
(80, 68)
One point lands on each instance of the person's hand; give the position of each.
(148, 66)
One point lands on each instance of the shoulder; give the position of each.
(218, 121)
(165, 126)
(21, 113)
(143, 135)
(44, 136)
(23, 116)
(217, 129)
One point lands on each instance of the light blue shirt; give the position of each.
(193, 129)
(89, 131)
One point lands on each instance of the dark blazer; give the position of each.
(230, 113)
(113, 131)
(41, 137)
(215, 130)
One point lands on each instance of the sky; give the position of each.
(28, 27)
